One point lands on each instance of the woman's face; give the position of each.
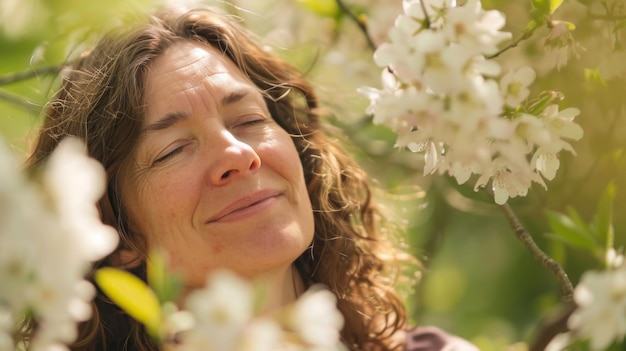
(214, 180)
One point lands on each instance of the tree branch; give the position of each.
(551, 327)
(526, 239)
(514, 43)
(19, 101)
(360, 23)
(595, 16)
(427, 22)
(28, 74)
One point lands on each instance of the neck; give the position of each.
(283, 287)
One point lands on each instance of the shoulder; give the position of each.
(435, 339)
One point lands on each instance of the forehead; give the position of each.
(188, 52)
(186, 64)
(190, 74)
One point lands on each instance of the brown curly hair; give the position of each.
(100, 101)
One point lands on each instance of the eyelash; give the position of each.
(253, 122)
(169, 154)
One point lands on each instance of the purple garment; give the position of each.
(435, 339)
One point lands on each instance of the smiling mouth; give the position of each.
(246, 207)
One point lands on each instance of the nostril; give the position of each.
(256, 164)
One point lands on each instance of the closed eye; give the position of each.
(253, 121)
(170, 154)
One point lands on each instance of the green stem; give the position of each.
(361, 24)
(19, 101)
(526, 35)
(594, 16)
(28, 74)
(539, 255)
(427, 22)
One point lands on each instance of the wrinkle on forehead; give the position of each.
(189, 65)
(193, 60)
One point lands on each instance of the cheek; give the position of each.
(281, 152)
(153, 203)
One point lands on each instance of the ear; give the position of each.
(125, 259)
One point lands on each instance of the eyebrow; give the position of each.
(171, 119)
(167, 121)
(233, 97)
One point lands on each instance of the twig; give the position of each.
(595, 16)
(361, 24)
(19, 101)
(515, 43)
(28, 74)
(538, 254)
(551, 327)
(427, 22)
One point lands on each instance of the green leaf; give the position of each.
(594, 76)
(538, 17)
(604, 217)
(326, 8)
(554, 5)
(547, 7)
(545, 98)
(541, 6)
(165, 285)
(132, 295)
(579, 221)
(567, 230)
(531, 26)
(570, 26)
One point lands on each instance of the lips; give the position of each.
(246, 206)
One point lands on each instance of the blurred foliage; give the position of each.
(478, 281)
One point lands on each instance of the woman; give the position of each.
(214, 151)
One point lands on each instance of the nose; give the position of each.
(232, 158)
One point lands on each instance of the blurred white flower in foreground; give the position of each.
(601, 312)
(614, 258)
(76, 183)
(221, 310)
(225, 319)
(316, 318)
(47, 241)
(559, 342)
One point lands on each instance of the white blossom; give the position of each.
(514, 85)
(444, 99)
(262, 334)
(43, 260)
(601, 301)
(613, 258)
(475, 29)
(221, 311)
(507, 181)
(399, 54)
(559, 342)
(560, 44)
(316, 319)
(558, 125)
(224, 319)
(6, 326)
(76, 183)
